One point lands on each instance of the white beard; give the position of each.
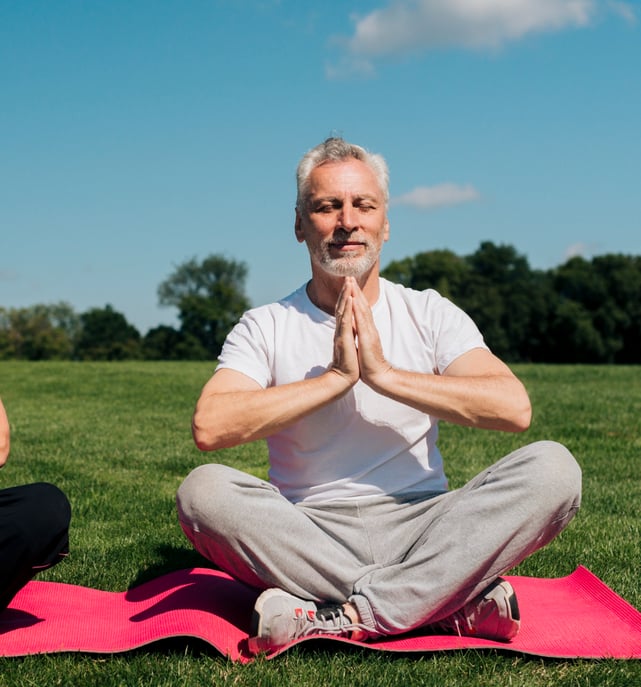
(346, 266)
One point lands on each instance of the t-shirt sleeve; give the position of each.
(455, 333)
(245, 350)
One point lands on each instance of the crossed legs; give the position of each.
(401, 561)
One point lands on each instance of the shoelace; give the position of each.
(459, 620)
(457, 624)
(326, 620)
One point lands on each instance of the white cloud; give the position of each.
(407, 26)
(428, 197)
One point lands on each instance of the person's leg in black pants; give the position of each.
(34, 534)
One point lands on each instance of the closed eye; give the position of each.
(327, 207)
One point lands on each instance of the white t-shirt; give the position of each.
(363, 443)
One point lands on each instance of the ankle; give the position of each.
(354, 616)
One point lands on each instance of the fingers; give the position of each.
(371, 360)
(343, 304)
(358, 353)
(345, 355)
(363, 320)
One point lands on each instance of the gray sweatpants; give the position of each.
(405, 560)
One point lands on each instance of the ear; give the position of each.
(298, 230)
(386, 231)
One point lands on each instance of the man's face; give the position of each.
(344, 220)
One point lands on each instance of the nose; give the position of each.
(348, 218)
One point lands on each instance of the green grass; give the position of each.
(116, 438)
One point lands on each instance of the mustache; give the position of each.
(341, 236)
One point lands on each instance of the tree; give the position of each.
(210, 297)
(505, 299)
(167, 343)
(39, 332)
(622, 275)
(607, 291)
(573, 335)
(106, 335)
(442, 270)
(494, 285)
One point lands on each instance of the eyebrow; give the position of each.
(334, 199)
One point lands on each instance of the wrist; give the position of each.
(340, 382)
(382, 381)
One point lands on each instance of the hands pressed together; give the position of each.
(358, 353)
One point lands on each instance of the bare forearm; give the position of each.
(4, 449)
(487, 402)
(477, 389)
(5, 441)
(236, 417)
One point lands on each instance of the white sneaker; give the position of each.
(280, 617)
(493, 614)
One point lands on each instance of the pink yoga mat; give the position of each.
(576, 616)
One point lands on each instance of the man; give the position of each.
(356, 534)
(34, 527)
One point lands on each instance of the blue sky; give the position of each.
(137, 134)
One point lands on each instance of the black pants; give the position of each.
(34, 534)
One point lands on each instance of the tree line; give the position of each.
(584, 311)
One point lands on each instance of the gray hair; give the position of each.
(334, 150)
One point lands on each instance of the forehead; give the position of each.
(344, 177)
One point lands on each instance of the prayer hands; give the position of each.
(358, 353)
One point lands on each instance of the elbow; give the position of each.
(204, 436)
(212, 428)
(522, 423)
(211, 436)
(4, 450)
(517, 409)
(202, 442)
(521, 417)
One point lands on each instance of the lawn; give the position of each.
(116, 438)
